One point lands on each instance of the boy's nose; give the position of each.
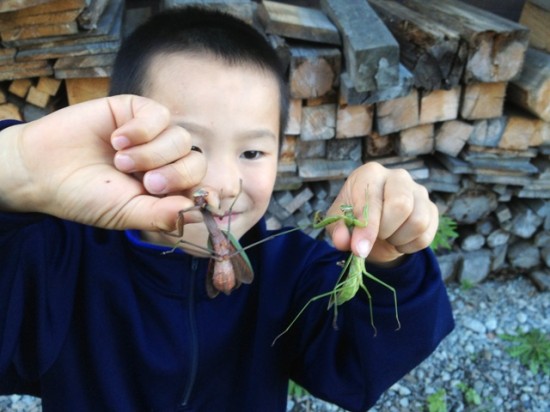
(225, 176)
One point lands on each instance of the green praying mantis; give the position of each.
(229, 266)
(352, 275)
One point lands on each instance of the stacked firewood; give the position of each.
(456, 95)
(47, 43)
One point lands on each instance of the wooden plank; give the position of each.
(354, 121)
(496, 46)
(433, 52)
(51, 6)
(34, 32)
(81, 90)
(7, 56)
(298, 22)
(24, 19)
(531, 90)
(536, 18)
(371, 53)
(483, 100)
(397, 114)
(439, 105)
(314, 71)
(11, 5)
(25, 69)
(322, 169)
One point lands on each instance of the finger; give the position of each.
(170, 145)
(183, 174)
(363, 238)
(138, 120)
(401, 196)
(417, 234)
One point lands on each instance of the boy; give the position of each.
(98, 319)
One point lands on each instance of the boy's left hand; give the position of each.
(401, 217)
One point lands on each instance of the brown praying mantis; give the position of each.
(351, 278)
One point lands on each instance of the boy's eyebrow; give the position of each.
(205, 131)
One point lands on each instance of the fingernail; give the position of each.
(155, 183)
(120, 142)
(363, 248)
(124, 162)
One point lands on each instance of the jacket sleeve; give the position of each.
(353, 365)
(37, 283)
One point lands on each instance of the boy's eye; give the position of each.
(252, 154)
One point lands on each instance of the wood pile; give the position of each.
(47, 43)
(454, 94)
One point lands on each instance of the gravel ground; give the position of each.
(472, 360)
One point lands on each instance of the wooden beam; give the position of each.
(483, 100)
(415, 141)
(536, 18)
(433, 52)
(354, 121)
(397, 114)
(297, 22)
(318, 122)
(439, 105)
(314, 71)
(371, 52)
(81, 90)
(531, 90)
(496, 46)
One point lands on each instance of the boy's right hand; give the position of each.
(108, 162)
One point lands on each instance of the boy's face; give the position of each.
(232, 114)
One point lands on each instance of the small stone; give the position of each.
(475, 325)
(523, 255)
(521, 317)
(491, 324)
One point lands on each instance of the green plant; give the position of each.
(466, 285)
(446, 232)
(437, 402)
(295, 390)
(531, 348)
(470, 394)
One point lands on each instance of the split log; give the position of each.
(90, 16)
(311, 149)
(314, 72)
(487, 132)
(483, 100)
(350, 95)
(415, 141)
(297, 22)
(345, 149)
(294, 117)
(371, 52)
(287, 153)
(451, 136)
(81, 90)
(318, 122)
(48, 85)
(535, 16)
(13, 36)
(7, 56)
(27, 18)
(20, 87)
(354, 121)
(37, 97)
(10, 111)
(518, 131)
(433, 52)
(439, 105)
(496, 46)
(531, 90)
(11, 5)
(376, 145)
(398, 114)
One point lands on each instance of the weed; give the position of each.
(446, 233)
(531, 348)
(470, 394)
(437, 402)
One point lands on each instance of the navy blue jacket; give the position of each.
(97, 320)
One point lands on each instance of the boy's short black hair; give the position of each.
(196, 30)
